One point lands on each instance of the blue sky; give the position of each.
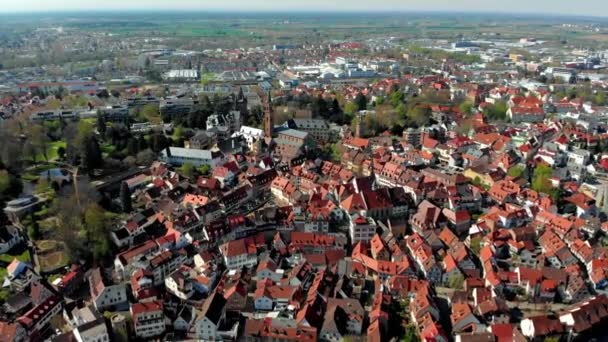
(586, 7)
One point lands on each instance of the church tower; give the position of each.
(268, 118)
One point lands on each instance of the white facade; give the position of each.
(113, 295)
(149, 324)
(179, 156)
(238, 261)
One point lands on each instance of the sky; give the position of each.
(567, 7)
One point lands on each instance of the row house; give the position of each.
(164, 263)
(148, 319)
(104, 294)
(239, 253)
(268, 297)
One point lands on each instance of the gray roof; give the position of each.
(188, 153)
(294, 133)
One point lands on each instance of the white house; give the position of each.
(239, 253)
(9, 237)
(210, 318)
(185, 318)
(148, 319)
(106, 296)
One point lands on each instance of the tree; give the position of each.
(10, 186)
(125, 197)
(101, 124)
(396, 98)
(456, 281)
(91, 155)
(151, 113)
(95, 224)
(497, 111)
(158, 142)
(516, 171)
(103, 94)
(540, 179)
(39, 140)
(466, 107)
(476, 245)
(420, 115)
(146, 157)
(187, 170)
(351, 108)
(361, 101)
(61, 152)
(600, 98)
(204, 169)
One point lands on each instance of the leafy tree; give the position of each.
(91, 155)
(132, 146)
(101, 124)
(456, 281)
(540, 179)
(103, 94)
(516, 171)
(125, 198)
(397, 130)
(10, 186)
(145, 157)
(204, 169)
(61, 152)
(497, 111)
(600, 98)
(95, 223)
(420, 115)
(476, 245)
(158, 142)
(351, 108)
(361, 101)
(188, 170)
(396, 98)
(151, 113)
(466, 107)
(39, 140)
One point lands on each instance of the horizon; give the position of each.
(382, 12)
(591, 9)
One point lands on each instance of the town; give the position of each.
(304, 187)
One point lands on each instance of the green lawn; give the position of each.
(51, 151)
(8, 257)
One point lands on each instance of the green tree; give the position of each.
(540, 179)
(91, 155)
(10, 185)
(497, 111)
(516, 171)
(125, 197)
(204, 169)
(39, 139)
(361, 101)
(466, 107)
(456, 281)
(351, 108)
(95, 224)
(600, 98)
(188, 170)
(151, 113)
(420, 115)
(158, 142)
(396, 98)
(476, 245)
(101, 124)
